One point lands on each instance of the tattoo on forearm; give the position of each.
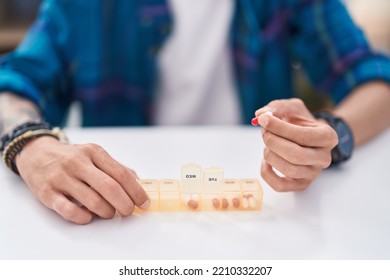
(14, 111)
(30, 113)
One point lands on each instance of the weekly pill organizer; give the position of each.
(203, 189)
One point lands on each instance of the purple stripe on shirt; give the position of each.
(342, 65)
(244, 59)
(275, 27)
(276, 24)
(109, 89)
(153, 11)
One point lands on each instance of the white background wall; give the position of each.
(373, 16)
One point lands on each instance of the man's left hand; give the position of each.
(296, 144)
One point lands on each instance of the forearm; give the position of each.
(15, 110)
(366, 110)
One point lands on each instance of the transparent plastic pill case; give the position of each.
(203, 189)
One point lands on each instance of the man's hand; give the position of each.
(296, 144)
(79, 181)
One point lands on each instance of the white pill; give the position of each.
(245, 203)
(252, 202)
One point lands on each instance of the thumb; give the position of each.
(287, 109)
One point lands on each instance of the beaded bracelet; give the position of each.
(13, 143)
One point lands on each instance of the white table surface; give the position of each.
(345, 214)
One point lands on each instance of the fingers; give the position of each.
(315, 135)
(126, 179)
(70, 211)
(264, 110)
(108, 188)
(59, 195)
(294, 153)
(286, 108)
(282, 184)
(290, 170)
(137, 193)
(88, 197)
(133, 173)
(300, 165)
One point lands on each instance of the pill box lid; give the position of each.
(231, 185)
(169, 185)
(150, 185)
(250, 185)
(191, 169)
(212, 180)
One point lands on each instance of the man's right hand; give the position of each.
(79, 181)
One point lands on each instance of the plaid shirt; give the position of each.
(103, 54)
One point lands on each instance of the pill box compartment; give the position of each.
(169, 195)
(252, 194)
(232, 195)
(152, 188)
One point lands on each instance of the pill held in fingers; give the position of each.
(255, 120)
(264, 119)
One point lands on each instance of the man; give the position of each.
(104, 54)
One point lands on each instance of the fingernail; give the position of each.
(255, 121)
(264, 118)
(145, 205)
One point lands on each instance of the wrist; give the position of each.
(13, 143)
